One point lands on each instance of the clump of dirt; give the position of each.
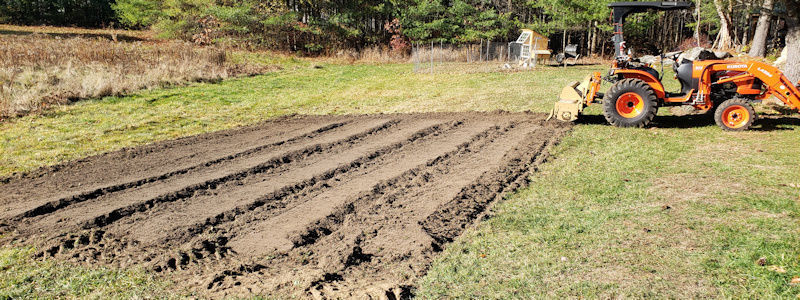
(326, 206)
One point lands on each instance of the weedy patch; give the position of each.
(41, 70)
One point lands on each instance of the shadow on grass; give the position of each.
(763, 123)
(108, 36)
(776, 122)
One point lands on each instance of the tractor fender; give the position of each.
(648, 78)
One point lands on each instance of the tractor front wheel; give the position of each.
(735, 115)
(630, 103)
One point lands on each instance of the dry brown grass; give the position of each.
(446, 53)
(375, 54)
(39, 70)
(107, 33)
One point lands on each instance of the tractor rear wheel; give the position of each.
(630, 103)
(735, 115)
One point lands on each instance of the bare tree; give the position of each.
(759, 47)
(792, 67)
(724, 40)
(697, 27)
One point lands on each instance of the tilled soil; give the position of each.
(324, 206)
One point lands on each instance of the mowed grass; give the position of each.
(680, 210)
(303, 87)
(22, 277)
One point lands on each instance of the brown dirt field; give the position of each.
(322, 206)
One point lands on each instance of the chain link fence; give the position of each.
(486, 56)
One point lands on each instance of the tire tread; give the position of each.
(624, 86)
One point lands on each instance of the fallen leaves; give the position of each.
(777, 269)
(795, 281)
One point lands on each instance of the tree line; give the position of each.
(316, 26)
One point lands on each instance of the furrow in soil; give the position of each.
(351, 206)
(105, 209)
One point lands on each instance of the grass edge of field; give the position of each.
(24, 276)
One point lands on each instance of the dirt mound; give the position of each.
(329, 206)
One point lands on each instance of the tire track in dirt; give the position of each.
(131, 164)
(324, 207)
(260, 236)
(99, 211)
(163, 227)
(18, 205)
(60, 203)
(447, 222)
(399, 241)
(324, 227)
(395, 207)
(211, 243)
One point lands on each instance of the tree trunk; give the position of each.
(723, 40)
(697, 27)
(589, 40)
(792, 68)
(759, 47)
(594, 38)
(746, 31)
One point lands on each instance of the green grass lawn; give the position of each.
(22, 277)
(679, 210)
(672, 213)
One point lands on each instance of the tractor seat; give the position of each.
(683, 70)
(685, 63)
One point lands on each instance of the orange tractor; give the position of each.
(728, 87)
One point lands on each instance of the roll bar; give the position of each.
(620, 10)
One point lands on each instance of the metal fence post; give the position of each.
(533, 52)
(441, 52)
(431, 56)
(414, 56)
(508, 53)
(480, 52)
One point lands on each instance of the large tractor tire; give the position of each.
(630, 103)
(735, 115)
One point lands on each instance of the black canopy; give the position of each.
(622, 9)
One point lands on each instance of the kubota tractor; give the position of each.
(728, 87)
